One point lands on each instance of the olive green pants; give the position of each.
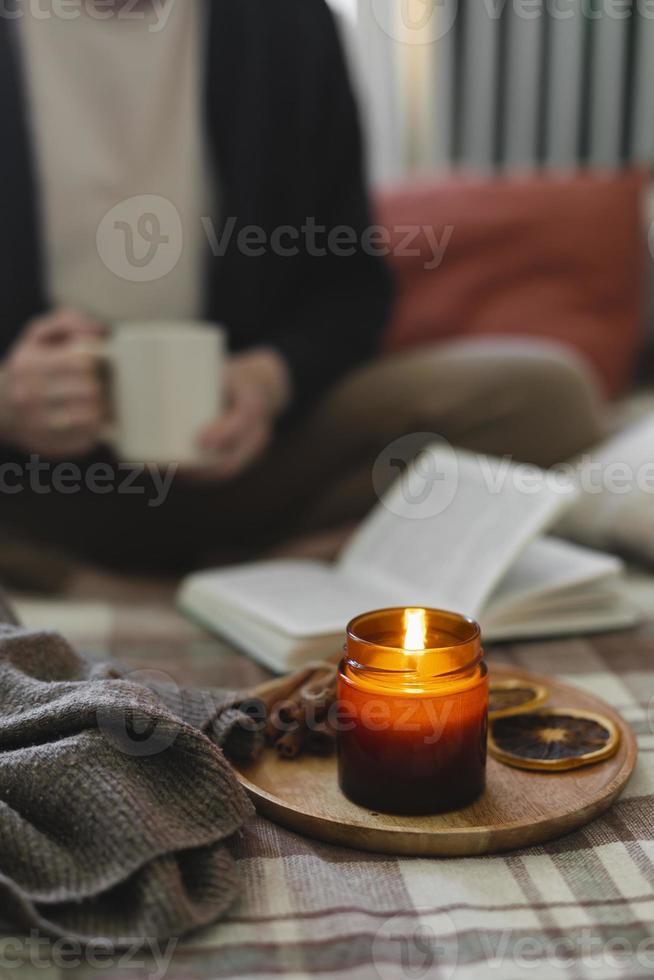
(529, 400)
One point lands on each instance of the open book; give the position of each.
(467, 538)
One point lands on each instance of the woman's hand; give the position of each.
(258, 391)
(51, 398)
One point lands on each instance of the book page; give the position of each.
(274, 649)
(613, 612)
(451, 526)
(550, 567)
(299, 598)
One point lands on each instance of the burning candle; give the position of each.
(413, 709)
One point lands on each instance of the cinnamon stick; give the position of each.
(296, 708)
(291, 744)
(280, 688)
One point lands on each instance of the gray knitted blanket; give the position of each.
(118, 808)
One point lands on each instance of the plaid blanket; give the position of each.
(582, 906)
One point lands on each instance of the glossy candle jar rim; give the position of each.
(375, 654)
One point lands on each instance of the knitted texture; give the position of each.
(117, 805)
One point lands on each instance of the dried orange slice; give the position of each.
(508, 697)
(553, 739)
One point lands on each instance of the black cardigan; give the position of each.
(283, 131)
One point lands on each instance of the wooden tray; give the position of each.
(518, 808)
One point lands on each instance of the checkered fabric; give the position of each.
(579, 907)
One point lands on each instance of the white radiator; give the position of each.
(507, 84)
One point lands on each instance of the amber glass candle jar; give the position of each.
(413, 711)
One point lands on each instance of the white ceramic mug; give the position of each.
(167, 384)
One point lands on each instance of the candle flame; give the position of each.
(415, 629)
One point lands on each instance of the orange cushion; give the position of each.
(561, 258)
